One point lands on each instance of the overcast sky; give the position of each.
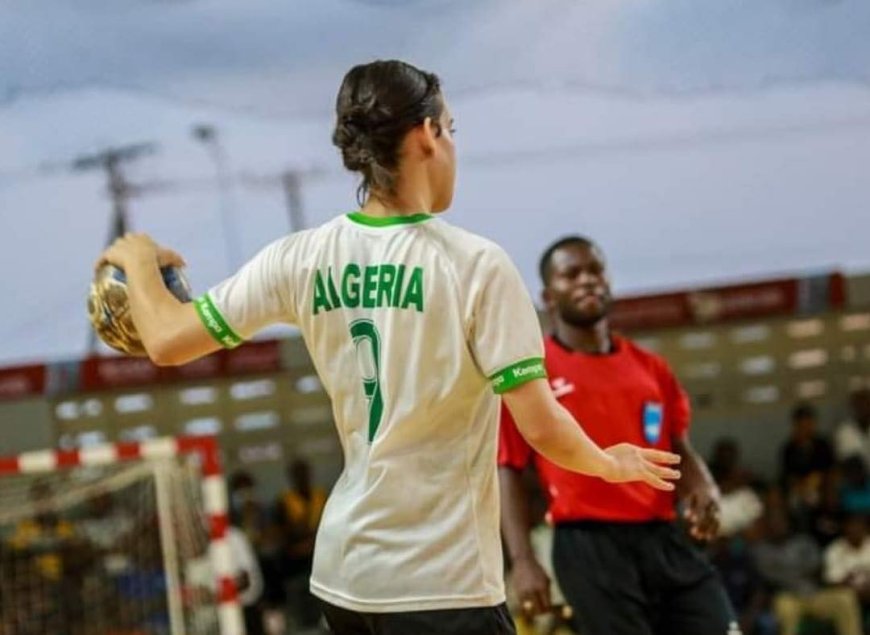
(241, 53)
(697, 140)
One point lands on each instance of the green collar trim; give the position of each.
(387, 221)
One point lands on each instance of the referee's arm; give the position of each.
(529, 581)
(697, 491)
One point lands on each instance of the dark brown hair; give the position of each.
(377, 104)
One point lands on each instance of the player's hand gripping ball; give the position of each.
(109, 307)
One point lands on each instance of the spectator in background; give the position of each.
(106, 526)
(855, 486)
(200, 576)
(828, 517)
(249, 515)
(49, 561)
(299, 512)
(249, 579)
(847, 562)
(246, 511)
(847, 559)
(739, 505)
(807, 459)
(110, 533)
(734, 558)
(726, 463)
(741, 508)
(790, 563)
(853, 435)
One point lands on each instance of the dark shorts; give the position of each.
(639, 579)
(493, 620)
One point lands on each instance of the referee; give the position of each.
(621, 560)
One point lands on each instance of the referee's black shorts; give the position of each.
(639, 579)
(494, 620)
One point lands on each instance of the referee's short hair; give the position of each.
(547, 256)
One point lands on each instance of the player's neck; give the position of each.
(405, 202)
(594, 340)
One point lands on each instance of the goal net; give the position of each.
(120, 539)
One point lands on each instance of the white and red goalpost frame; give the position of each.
(214, 496)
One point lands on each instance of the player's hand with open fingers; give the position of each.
(633, 463)
(133, 248)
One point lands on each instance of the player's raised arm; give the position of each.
(173, 332)
(553, 432)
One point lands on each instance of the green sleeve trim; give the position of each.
(518, 374)
(215, 323)
(387, 221)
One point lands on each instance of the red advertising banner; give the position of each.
(254, 357)
(811, 294)
(97, 373)
(736, 302)
(17, 383)
(102, 373)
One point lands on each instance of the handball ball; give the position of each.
(109, 307)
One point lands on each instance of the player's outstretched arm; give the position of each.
(171, 331)
(553, 432)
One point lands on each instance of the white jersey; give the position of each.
(414, 327)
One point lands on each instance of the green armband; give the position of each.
(215, 323)
(518, 374)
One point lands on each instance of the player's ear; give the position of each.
(427, 133)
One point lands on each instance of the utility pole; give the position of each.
(291, 183)
(207, 135)
(111, 161)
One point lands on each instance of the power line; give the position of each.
(565, 86)
(700, 138)
(290, 181)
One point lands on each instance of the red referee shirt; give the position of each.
(629, 396)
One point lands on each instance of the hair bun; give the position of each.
(356, 152)
(355, 120)
(357, 155)
(377, 104)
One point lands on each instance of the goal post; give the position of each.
(117, 539)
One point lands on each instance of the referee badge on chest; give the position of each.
(653, 416)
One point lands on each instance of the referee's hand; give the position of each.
(633, 463)
(702, 510)
(531, 585)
